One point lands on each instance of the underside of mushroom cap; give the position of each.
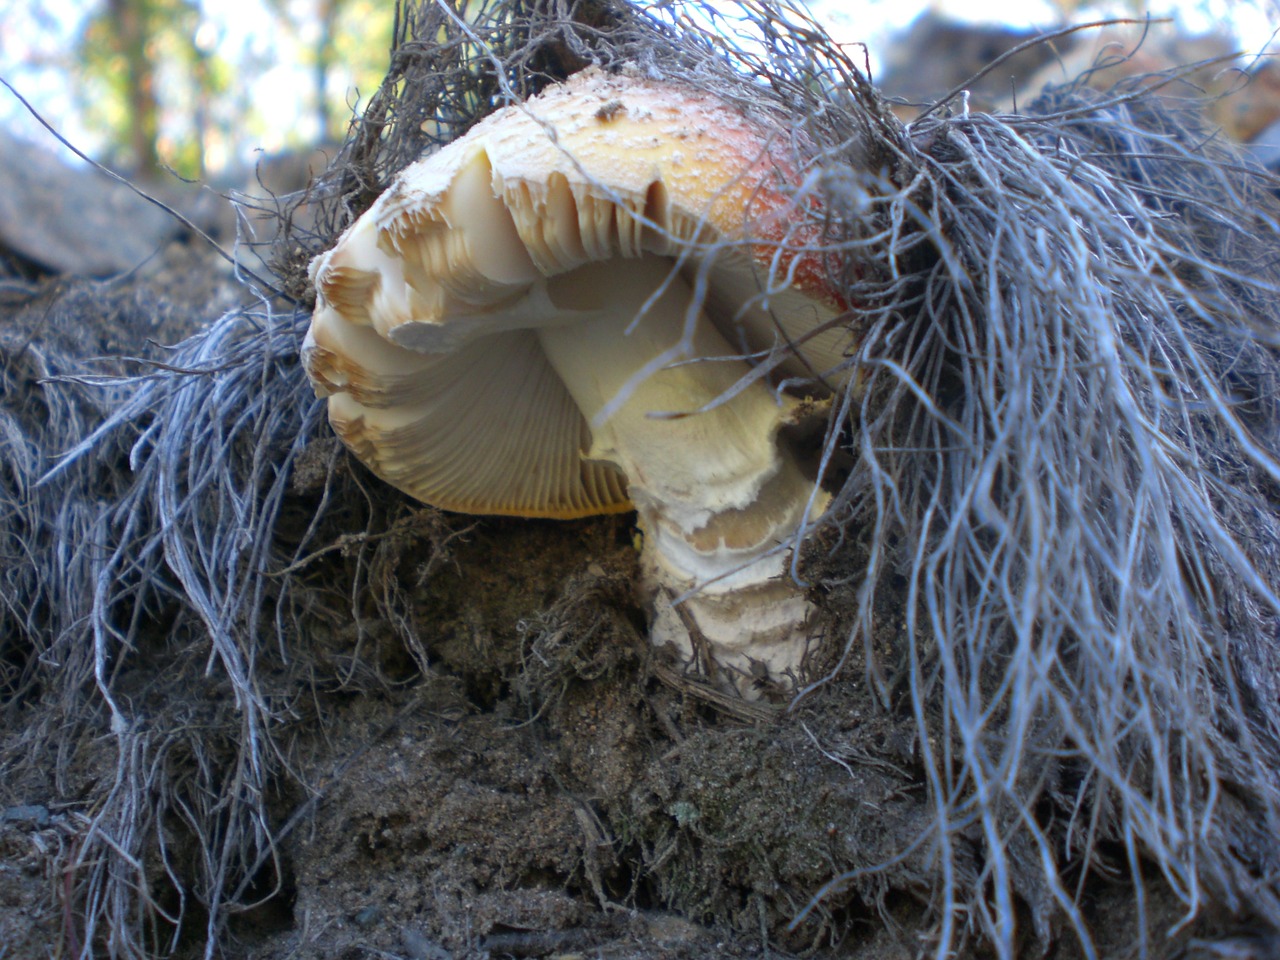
(513, 447)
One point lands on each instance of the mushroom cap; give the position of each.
(421, 334)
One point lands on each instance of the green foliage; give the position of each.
(128, 51)
(165, 87)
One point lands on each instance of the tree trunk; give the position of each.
(131, 32)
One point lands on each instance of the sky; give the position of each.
(36, 35)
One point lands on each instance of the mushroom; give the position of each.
(550, 317)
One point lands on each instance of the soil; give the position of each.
(533, 790)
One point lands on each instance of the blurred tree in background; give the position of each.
(126, 50)
(195, 86)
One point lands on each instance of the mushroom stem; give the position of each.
(715, 491)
